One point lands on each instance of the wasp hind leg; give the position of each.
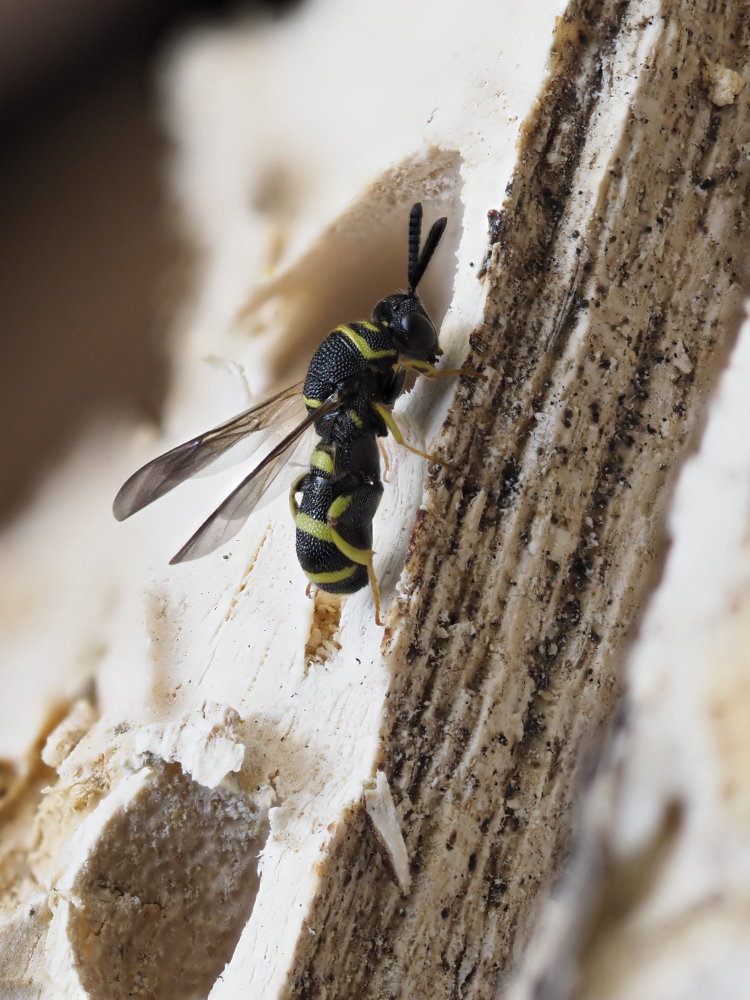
(349, 521)
(362, 557)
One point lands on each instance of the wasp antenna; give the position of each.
(415, 238)
(430, 245)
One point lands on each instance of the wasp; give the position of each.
(347, 397)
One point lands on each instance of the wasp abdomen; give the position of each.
(334, 518)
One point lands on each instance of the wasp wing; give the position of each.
(163, 473)
(225, 522)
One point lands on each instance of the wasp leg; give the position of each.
(386, 462)
(310, 591)
(393, 427)
(375, 592)
(363, 557)
(430, 371)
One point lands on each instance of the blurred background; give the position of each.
(90, 254)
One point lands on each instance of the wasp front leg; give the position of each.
(430, 371)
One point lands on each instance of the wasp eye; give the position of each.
(420, 339)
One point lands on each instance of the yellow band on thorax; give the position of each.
(361, 344)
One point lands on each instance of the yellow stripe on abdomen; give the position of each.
(310, 526)
(322, 461)
(340, 505)
(333, 576)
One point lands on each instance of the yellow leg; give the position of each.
(393, 427)
(375, 592)
(363, 557)
(386, 461)
(430, 371)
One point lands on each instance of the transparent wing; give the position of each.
(163, 473)
(225, 522)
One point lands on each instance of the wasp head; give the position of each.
(406, 319)
(403, 313)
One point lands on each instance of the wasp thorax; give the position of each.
(408, 323)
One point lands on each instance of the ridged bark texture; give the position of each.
(613, 293)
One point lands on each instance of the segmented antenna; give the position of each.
(415, 237)
(418, 262)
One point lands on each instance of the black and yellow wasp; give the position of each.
(352, 382)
